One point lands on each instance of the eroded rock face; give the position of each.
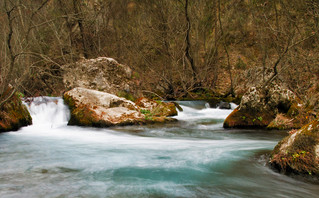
(99, 109)
(299, 152)
(259, 107)
(104, 74)
(14, 115)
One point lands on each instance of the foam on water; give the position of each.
(190, 113)
(192, 158)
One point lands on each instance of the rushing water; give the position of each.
(194, 157)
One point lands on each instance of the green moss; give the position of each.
(248, 119)
(69, 101)
(149, 117)
(14, 115)
(20, 95)
(145, 111)
(126, 95)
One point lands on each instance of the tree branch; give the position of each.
(275, 74)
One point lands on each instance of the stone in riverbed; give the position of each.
(100, 109)
(259, 107)
(157, 111)
(298, 153)
(157, 108)
(224, 105)
(248, 119)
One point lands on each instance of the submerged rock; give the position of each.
(224, 105)
(100, 109)
(259, 107)
(103, 74)
(299, 152)
(14, 115)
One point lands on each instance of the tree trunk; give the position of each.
(188, 44)
(229, 68)
(79, 15)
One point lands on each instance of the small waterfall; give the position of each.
(190, 113)
(198, 104)
(48, 111)
(207, 105)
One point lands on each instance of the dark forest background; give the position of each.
(177, 48)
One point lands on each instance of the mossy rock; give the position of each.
(298, 154)
(164, 109)
(300, 114)
(261, 107)
(99, 109)
(14, 115)
(157, 108)
(248, 119)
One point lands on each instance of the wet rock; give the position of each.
(248, 119)
(298, 153)
(99, 109)
(157, 108)
(157, 111)
(14, 115)
(260, 106)
(103, 74)
(224, 105)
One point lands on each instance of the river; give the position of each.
(194, 157)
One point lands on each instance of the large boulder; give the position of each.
(299, 152)
(260, 106)
(103, 74)
(14, 115)
(99, 109)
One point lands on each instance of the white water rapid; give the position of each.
(48, 111)
(194, 157)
